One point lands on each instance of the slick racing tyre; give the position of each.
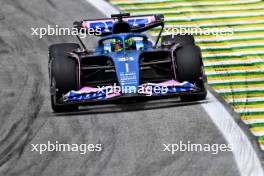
(63, 74)
(190, 68)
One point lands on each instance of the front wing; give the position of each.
(88, 95)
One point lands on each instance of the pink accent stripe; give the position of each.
(169, 83)
(173, 63)
(88, 89)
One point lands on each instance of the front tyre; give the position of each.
(63, 74)
(190, 68)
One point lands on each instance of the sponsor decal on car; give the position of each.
(107, 24)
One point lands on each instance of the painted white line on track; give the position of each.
(233, 53)
(248, 110)
(233, 46)
(212, 16)
(246, 158)
(258, 133)
(252, 121)
(235, 80)
(228, 61)
(244, 100)
(244, 153)
(241, 89)
(161, 1)
(193, 4)
(193, 9)
(223, 72)
(262, 147)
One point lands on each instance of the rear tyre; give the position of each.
(190, 68)
(63, 74)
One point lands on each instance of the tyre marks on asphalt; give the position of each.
(20, 87)
(24, 83)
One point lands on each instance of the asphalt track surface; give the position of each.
(132, 135)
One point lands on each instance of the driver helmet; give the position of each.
(117, 45)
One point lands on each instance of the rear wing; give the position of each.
(137, 23)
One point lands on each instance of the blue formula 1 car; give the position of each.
(125, 65)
